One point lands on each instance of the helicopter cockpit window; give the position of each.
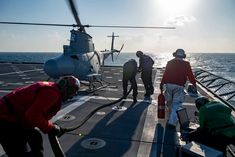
(74, 57)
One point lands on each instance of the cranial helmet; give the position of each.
(69, 83)
(73, 82)
(139, 53)
(179, 53)
(201, 101)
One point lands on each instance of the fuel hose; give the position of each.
(54, 142)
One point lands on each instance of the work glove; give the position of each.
(57, 131)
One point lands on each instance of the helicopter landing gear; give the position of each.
(94, 78)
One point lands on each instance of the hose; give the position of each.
(55, 145)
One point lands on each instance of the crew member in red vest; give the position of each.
(177, 72)
(26, 108)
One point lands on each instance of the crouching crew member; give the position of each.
(129, 73)
(32, 106)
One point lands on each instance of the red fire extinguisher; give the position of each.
(161, 106)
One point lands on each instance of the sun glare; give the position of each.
(175, 6)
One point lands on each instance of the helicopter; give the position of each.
(79, 58)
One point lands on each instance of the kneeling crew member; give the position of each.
(129, 73)
(217, 124)
(32, 106)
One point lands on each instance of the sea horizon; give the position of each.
(221, 64)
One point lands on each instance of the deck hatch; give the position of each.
(93, 143)
(67, 118)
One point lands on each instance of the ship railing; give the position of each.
(220, 87)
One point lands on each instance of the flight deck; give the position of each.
(123, 129)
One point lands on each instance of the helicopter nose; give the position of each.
(51, 68)
(59, 66)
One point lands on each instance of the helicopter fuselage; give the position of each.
(79, 58)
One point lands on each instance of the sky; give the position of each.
(204, 26)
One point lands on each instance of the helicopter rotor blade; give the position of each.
(121, 48)
(40, 24)
(83, 26)
(119, 51)
(112, 57)
(138, 27)
(73, 9)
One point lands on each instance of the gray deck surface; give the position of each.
(134, 132)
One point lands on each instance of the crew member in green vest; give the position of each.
(217, 124)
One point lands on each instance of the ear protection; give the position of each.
(62, 83)
(68, 84)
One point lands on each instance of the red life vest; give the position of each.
(21, 99)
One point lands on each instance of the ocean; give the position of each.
(221, 64)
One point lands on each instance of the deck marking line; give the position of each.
(71, 107)
(20, 72)
(149, 129)
(5, 91)
(114, 99)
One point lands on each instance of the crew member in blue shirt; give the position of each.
(145, 67)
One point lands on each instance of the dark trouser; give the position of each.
(133, 84)
(146, 77)
(15, 140)
(218, 142)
